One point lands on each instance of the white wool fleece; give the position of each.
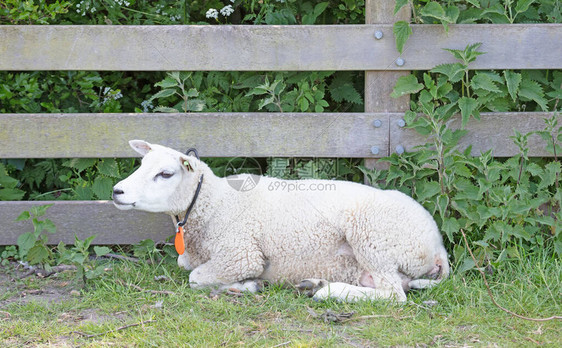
(346, 232)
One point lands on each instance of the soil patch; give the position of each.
(18, 286)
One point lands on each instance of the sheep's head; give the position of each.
(163, 182)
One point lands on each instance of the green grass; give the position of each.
(463, 315)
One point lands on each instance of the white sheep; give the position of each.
(347, 241)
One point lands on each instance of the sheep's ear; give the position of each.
(140, 146)
(187, 162)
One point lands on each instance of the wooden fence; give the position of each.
(250, 48)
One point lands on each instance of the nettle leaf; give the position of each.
(310, 18)
(512, 80)
(426, 190)
(195, 105)
(101, 251)
(466, 190)
(192, 93)
(49, 226)
(406, 85)
(534, 169)
(25, 242)
(23, 216)
(474, 3)
(523, 5)
(442, 204)
(445, 16)
(499, 104)
(451, 227)
(468, 108)
(11, 194)
(38, 254)
(109, 167)
(168, 82)
(532, 90)
(469, 54)
(399, 4)
(556, 94)
(452, 13)
(342, 89)
(163, 94)
(454, 71)
(402, 32)
(165, 109)
(485, 82)
(549, 175)
(433, 9)
(5, 180)
(102, 187)
(80, 164)
(83, 193)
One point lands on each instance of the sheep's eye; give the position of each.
(165, 175)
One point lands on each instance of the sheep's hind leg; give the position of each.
(320, 290)
(423, 283)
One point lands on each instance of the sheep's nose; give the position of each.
(117, 191)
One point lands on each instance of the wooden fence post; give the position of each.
(379, 83)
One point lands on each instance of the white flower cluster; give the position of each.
(147, 106)
(212, 13)
(122, 2)
(110, 94)
(83, 7)
(225, 11)
(86, 6)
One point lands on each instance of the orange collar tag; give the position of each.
(179, 242)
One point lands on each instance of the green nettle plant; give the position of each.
(79, 256)
(32, 246)
(474, 11)
(507, 207)
(175, 85)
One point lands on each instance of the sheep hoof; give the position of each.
(309, 287)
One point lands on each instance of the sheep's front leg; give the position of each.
(183, 261)
(205, 276)
(232, 272)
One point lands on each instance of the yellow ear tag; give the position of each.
(189, 167)
(179, 242)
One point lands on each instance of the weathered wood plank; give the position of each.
(265, 48)
(84, 219)
(379, 83)
(492, 132)
(214, 135)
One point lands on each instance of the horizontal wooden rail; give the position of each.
(268, 48)
(214, 135)
(493, 131)
(247, 134)
(84, 219)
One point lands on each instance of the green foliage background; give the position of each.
(508, 207)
